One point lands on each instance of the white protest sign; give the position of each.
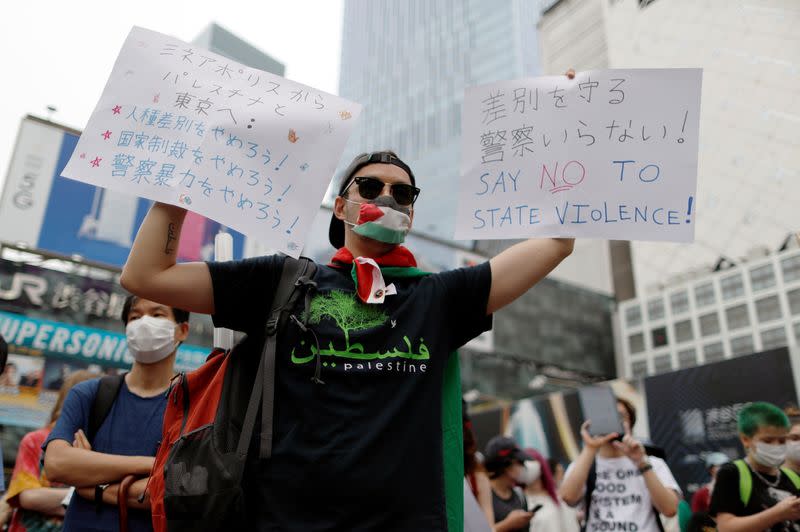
(185, 126)
(609, 154)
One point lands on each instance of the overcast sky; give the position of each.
(61, 53)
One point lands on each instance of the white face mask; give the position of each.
(531, 473)
(150, 339)
(793, 451)
(768, 454)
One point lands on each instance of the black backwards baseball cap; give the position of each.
(500, 452)
(336, 230)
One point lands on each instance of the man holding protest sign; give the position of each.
(338, 446)
(361, 378)
(342, 424)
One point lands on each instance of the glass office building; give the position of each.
(408, 63)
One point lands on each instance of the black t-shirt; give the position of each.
(726, 499)
(364, 450)
(503, 507)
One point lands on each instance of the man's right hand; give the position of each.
(788, 509)
(595, 442)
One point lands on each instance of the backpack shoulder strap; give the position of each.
(591, 482)
(292, 269)
(296, 278)
(791, 475)
(745, 481)
(107, 392)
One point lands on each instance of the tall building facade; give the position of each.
(744, 309)
(408, 63)
(747, 186)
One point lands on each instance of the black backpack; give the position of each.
(110, 385)
(219, 418)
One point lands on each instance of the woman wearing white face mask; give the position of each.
(757, 494)
(553, 514)
(505, 463)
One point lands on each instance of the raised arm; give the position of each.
(151, 271)
(665, 500)
(517, 269)
(574, 484)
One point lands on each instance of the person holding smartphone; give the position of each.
(619, 485)
(505, 463)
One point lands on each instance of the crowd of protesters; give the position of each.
(615, 483)
(349, 447)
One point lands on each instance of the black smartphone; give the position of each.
(535, 509)
(600, 406)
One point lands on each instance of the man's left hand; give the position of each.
(633, 449)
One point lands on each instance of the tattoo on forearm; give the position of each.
(170, 238)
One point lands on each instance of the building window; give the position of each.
(732, 287)
(683, 331)
(679, 302)
(633, 316)
(704, 294)
(768, 309)
(791, 268)
(655, 309)
(737, 317)
(662, 364)
(639, 369)
(659, 337)
(762, 278)
(714, 352)
(687, 358)
(772, 338)
(636, 343)
(794, 301)
(743, 345)
(709, 324)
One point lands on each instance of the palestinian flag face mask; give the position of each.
(384, 220)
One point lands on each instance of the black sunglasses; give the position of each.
(371, 187)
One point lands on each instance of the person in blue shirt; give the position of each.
(128, 438)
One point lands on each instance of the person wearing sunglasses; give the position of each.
(360, 426)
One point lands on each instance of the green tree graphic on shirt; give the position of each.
(348, 313)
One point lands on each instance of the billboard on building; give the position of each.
(43, 210)
(57, 322)
(44, 352)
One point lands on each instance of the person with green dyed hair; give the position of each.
(756, 493)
